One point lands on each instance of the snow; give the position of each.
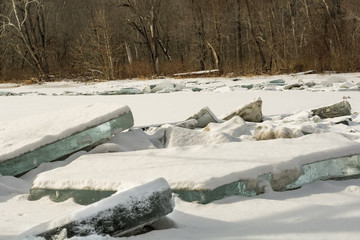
(235, 127)
(180, 137)
(321, 210)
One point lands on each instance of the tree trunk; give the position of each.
(128, 53)
(239, 53)
(154, 48)
(256, 41)
(215, 55)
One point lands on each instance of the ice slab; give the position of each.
(277, 82)
(27, 143)
(251, 112)
(204, 117)
(117, 215)
(201, 173)
(338, 168)
(337, 110)
(247, 86)
(122, 91)
(82, 197)
(6, 93)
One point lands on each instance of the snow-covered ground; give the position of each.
(321, 210)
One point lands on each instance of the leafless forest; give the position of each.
(112, 39)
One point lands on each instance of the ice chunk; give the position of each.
(251, 112)
(337, 110)
(346, 85)
(80, 196)
(6, 94)
(277, 82)
(239, 188)
(115, 216)
(197, 89)
(337, 168)
(190, 124)
(28, 143)
(163, 87)
(249, 86)
(294, 86)
(269, 131)
(122, 91)
(220, 170)
(204, 117)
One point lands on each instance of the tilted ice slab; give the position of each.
(30, 141)
(202, 173)
(115, 216)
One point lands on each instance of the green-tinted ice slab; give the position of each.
(7, 94)
(206, 173)
(277, 82)
(82, 197)
(332, 169)
(85, 197)
(336, 110)
(123, 91)
(339, 168)
(62, 148)
(249, 86)
(239, 188)
(117, 215)
(204, 117)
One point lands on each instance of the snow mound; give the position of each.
(11, 185)
(269, 131)
(235, 127)
(180, 137)
(132, 140)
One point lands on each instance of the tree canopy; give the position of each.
(112, 39)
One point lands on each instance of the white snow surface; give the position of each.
(321, 210)
(29, 133)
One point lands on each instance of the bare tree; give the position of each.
(24, 23)
(94, 49)
(143, 17)
(131, 38)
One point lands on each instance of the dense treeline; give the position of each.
(132, 38)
